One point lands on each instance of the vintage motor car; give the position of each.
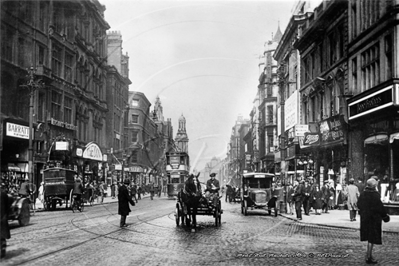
(255, 191)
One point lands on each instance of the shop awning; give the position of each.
(376, 139)
(13, 168)
(393, 136)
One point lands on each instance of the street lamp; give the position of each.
(32, 85)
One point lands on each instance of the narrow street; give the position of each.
(93, 237)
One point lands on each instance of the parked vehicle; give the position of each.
(19, 209)
(255, 191)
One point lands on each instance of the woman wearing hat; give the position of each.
(353, 193)
(123, 202)
(372, 212)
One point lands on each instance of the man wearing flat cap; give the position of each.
(212, 185)
(123, 202)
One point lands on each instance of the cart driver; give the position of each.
(212, 185)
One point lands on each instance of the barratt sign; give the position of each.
(17, 131)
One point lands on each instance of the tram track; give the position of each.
(146, 219)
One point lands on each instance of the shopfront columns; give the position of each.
(356, 167)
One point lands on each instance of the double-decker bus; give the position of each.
(177, 169)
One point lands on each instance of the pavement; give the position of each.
(340, 219)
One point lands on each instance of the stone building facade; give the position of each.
(65, 43)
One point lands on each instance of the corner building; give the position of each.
(373, 112)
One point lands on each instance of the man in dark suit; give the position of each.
(326, 195)
(123, 203)
(307, 189)
(298, 198)
(271, 204)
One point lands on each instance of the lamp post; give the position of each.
(32, 85)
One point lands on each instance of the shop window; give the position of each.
(56, 105)
(376, 155)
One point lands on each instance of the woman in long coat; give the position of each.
(372, 212)
(123, 203)
(353, 193)
(317, 199)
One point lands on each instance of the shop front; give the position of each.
(90, 161)
(14, 153)
(374, 137)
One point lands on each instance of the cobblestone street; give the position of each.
(94, 238)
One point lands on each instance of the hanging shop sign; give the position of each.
(332, 129)
(17, 131)
(378, 100)
(309, 140)
(300, 130)
(61, 145)
(93, 152)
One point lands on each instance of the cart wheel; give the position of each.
(24, 215)
(53, 204)
(245, 208)
(46, 204)
(177, 216)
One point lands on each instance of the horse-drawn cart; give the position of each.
(58, 183)
(187, 208)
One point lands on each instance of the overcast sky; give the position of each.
(200, 57)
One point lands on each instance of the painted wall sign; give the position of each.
(373, 102)
(17, 131)
(332, 129)
(58, 123)
(291, 111)
(93, 152)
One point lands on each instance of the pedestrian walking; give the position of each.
(5, 229)
(113, 190)
(152, 190)
(41, 192)
(123, 203)
(326, 196)
(306, 198)
(290, 201)
(298, 198)
(139, 192)
(372, 213)
(317, 199)
(353, 194)
(271, 204)
(133, 191)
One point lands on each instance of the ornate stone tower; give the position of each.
(181, 139)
